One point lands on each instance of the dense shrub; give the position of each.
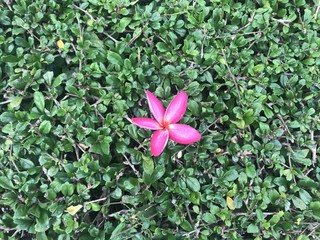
(74, 167)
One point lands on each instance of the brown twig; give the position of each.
(127, 162)
(286, 127)
(234, 79)
(94, 20)
(317, 10)
(313, 149)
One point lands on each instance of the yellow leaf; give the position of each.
(73, 209)
(298, 221)
(60, 44)
(230, 203)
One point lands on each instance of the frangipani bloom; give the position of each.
(165, 123)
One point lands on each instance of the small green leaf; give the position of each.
(315, 209)
(10, 59)
(48, 77)
(115, 58)
(276, 218)
(193, 184)
(300, 156)
(117, 231)
(209, 218)
(258, 68)
(148, 165)
(39, 100)
(15, 102)
(250, 171)
(42, 223)
(67, 189)
(58, 80)
(252, 228)
(219, 107)
(162, 47)
(305, 196)
(298, 203)
(194, 108)
(157, 174)
(6, 183)
(230, 175)
(41, 236)
(156, 61)
(124, 22)
(186, 226)
(45, 127)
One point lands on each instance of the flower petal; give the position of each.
(159, 140)
(147, 123)
(183, 134)
(155, 106)
(176, 108)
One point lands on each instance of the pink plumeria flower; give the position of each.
(165, 123)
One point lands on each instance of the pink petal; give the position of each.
(155, 106)
(159, 140)
(183, 134)
(147, 123)
(176, 108)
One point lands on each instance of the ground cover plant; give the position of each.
(73, 75)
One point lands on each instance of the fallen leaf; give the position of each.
(73, 209)
(60, 44)
(230, 203)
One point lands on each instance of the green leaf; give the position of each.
(194, 107)
(23, 223)
(162, 47)
(7, 117)
(305, 196)
(276, 218)
(148, 165)
(45, 127)
(124, 22)
(315, 209)
(251, 171)
(10, 59)
(39, 100)
(156, 61)
(230, 175)
(105, 146)
(48, 77)
(193, 184)
(298, 203)
(26, 163)
(186, 226)
(15, 102)
(67, 189)
(6, 183)
(117, 231)
(248, 117)
(58, 80)
(157, 174)
(21, 42)
(115, 58)
(41, 236)
(42, 223)
(209, 218)
(300, 156)
(219, 107)
(252, 228)
(130, 184)
(258, 68)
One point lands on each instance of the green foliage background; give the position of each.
(251, 70)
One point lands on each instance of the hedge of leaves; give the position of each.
(74, 167)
